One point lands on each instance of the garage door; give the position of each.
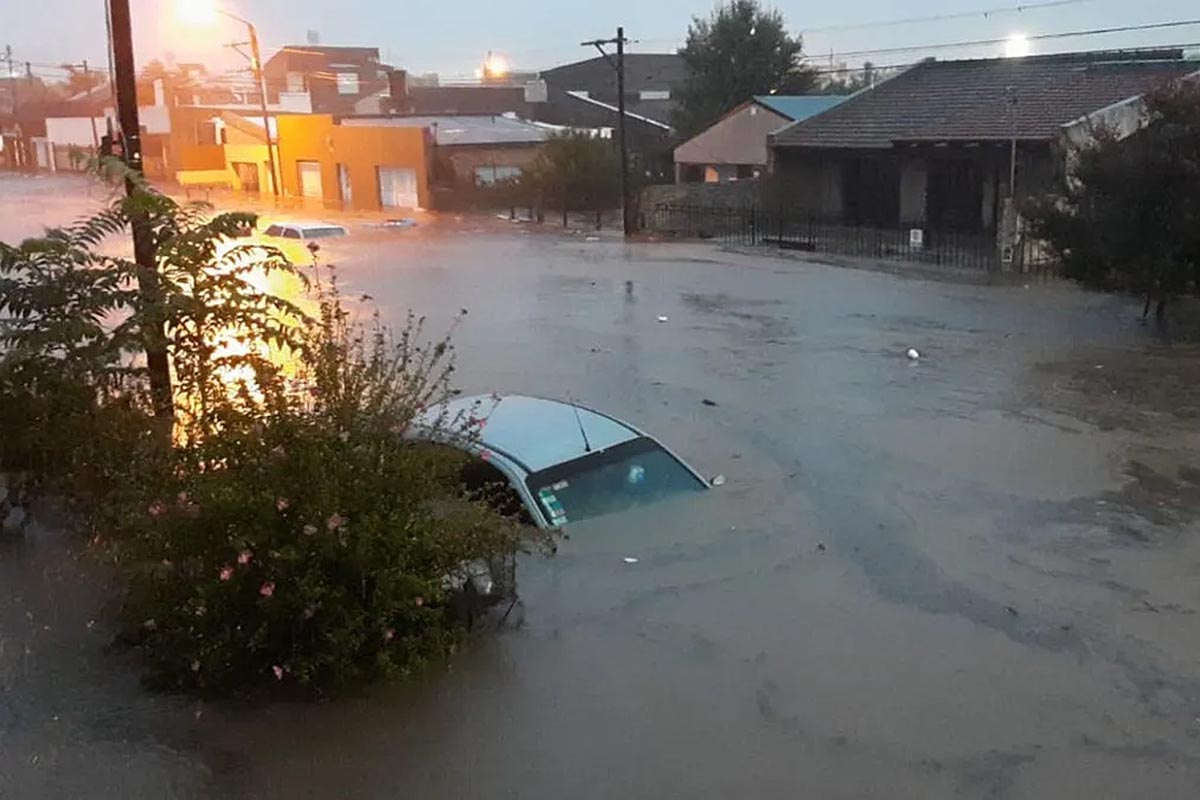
(310, 179)
(397, 187)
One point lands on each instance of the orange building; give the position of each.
(353, 167)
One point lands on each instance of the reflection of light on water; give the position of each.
(239, 381)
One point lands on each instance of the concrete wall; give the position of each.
(740, 193)
(75, 130)
(362, 149)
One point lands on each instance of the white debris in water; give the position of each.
(718, 480)
(630, 560)
(591, 238)
(913, 354)
(662, 317)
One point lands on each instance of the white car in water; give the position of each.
(565, 462)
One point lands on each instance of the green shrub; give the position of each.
(289, 532)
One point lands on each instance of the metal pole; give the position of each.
(627, 223)
(125, 87)
(260, 81)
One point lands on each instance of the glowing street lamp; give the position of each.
(203, 14)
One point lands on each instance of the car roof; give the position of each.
(306, 225)
(535, 432)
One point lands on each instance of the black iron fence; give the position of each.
(751, 225)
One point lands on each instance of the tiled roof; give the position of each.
(968, 100)
(799, 106)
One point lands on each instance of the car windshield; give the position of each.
(629, 474)
(325, 232)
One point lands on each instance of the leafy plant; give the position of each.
(287, 530)
(1126, 216)
(740, 51)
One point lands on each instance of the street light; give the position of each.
(203, 14)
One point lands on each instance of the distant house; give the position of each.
(932, 147)
(584, 95)
(478, 150)
(735, 146)
(336, 77)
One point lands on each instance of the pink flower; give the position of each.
(150, 625)
(388, 635)
(281, 504)
(156, 509)
(245, 557)
(308, 612)
(226, 573)
(182, 498)
(419, 601)
(310, 530)
(267, 589)
(195, 666)
(344, 436)
(278, 670)
(336, 521)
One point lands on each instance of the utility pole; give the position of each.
(618, 64)
(87, 79)
(125, 87)
(260, 81)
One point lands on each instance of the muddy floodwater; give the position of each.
(972, 575)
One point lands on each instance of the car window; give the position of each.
(274, 230)
(291, 233)
(324, 233)
(630, 474)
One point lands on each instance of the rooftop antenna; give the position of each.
(587, 446)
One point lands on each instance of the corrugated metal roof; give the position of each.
(463, 130)
(970, 100)
(798, 107)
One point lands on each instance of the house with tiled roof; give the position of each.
(735, 146)
(937, 146)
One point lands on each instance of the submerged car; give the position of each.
(305, 231)
(565, 462)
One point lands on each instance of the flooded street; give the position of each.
(971, 575)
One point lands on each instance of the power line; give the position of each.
(985, 13)
(1037, 37)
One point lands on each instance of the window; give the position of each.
(324, 232)
(493, 174)
(274, 230)
(624, 476)
(295, 81)
(291, 233)
(347, 83)
(654, 94)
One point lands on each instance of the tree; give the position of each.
(849, 82)
(576, 171)
(740, 51)
(78, 81)
(1126, 214)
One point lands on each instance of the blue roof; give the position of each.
(797, 107)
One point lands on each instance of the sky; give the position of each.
(452, 37)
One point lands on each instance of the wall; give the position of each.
(466, 158)
(75, 130)
(251, 153)
(914, 181)
(738, 138)
(362, 149)
(730, 195)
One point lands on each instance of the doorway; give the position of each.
(310, 179)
